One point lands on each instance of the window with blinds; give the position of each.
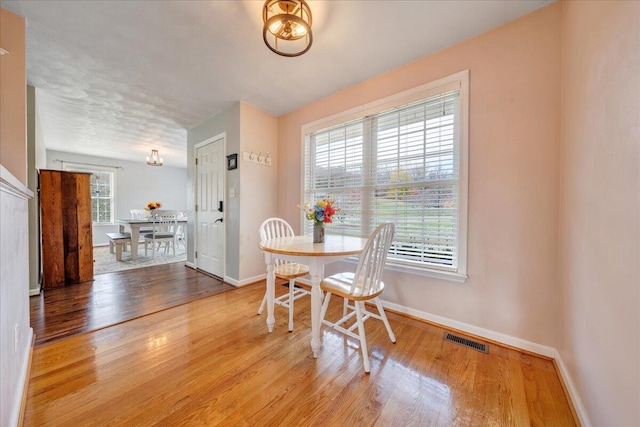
(102, 191)
(401, 165)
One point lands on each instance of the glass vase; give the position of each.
(318, 233)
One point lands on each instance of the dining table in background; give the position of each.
(301, 249)
(134, 226)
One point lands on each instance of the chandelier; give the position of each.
(287, 27)
(154, 159)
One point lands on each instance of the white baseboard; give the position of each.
(231, 281)
(507, 340)
(23, 382)
(34, 292)
(245, 282)
(475, 330)
(573, 392)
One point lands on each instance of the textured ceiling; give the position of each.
(117, 78)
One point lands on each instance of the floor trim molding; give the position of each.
(25, 388)
(23, 384)
(572, 393)
(245, 282)
(498, 337)
(574, 397)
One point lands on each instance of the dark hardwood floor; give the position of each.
(113, 298)
(212, 362)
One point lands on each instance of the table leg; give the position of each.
(271, 290)
(135, 236)
(316, 270)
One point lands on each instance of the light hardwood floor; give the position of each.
(212, 362)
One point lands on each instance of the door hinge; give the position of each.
(196, 254)
(196, 161)
(196, 208)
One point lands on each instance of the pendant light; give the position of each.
(154, 159)
(287, 27)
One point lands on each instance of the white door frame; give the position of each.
(201, 144)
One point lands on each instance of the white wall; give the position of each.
(226, 122)
(32, 182)
(136, 184)
(15, 333)
(246, 128)
(40, 149)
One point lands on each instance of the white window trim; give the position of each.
(82, 167)
(459, 81)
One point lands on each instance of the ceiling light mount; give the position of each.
(154, 159)
(287, 27)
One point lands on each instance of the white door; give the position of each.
(210, 207)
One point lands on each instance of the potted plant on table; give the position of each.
(152, 206)
(321, 213)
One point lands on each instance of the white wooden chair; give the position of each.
(181, 238)
(291, 271)
(164, 231)
(139, 214)
(363, 285)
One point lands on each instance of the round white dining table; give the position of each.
(301, 249)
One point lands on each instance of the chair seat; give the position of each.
(291, 270)
(160, 236)
(340, 284)
(164, 226)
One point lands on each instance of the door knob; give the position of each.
(218, 220)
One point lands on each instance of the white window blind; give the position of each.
(400, 165)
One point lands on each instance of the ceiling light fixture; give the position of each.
(154, 159)
(287, 27)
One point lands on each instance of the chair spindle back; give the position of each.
(368, 275)
(273, 228)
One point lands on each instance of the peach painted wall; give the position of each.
(13, 95)
(600, 208)
(258, 186)
(513, 191)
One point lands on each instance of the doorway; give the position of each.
(210, 206)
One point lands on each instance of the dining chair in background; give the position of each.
(164, 231)
(141, 214)
(363, 285)
(291, 271)
(181, 237)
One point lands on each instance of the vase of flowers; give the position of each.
(318, 233)
(321, 213)
(152, 206)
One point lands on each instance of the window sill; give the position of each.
(103, 224)
(424, 272)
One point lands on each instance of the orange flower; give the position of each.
(152, 205)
